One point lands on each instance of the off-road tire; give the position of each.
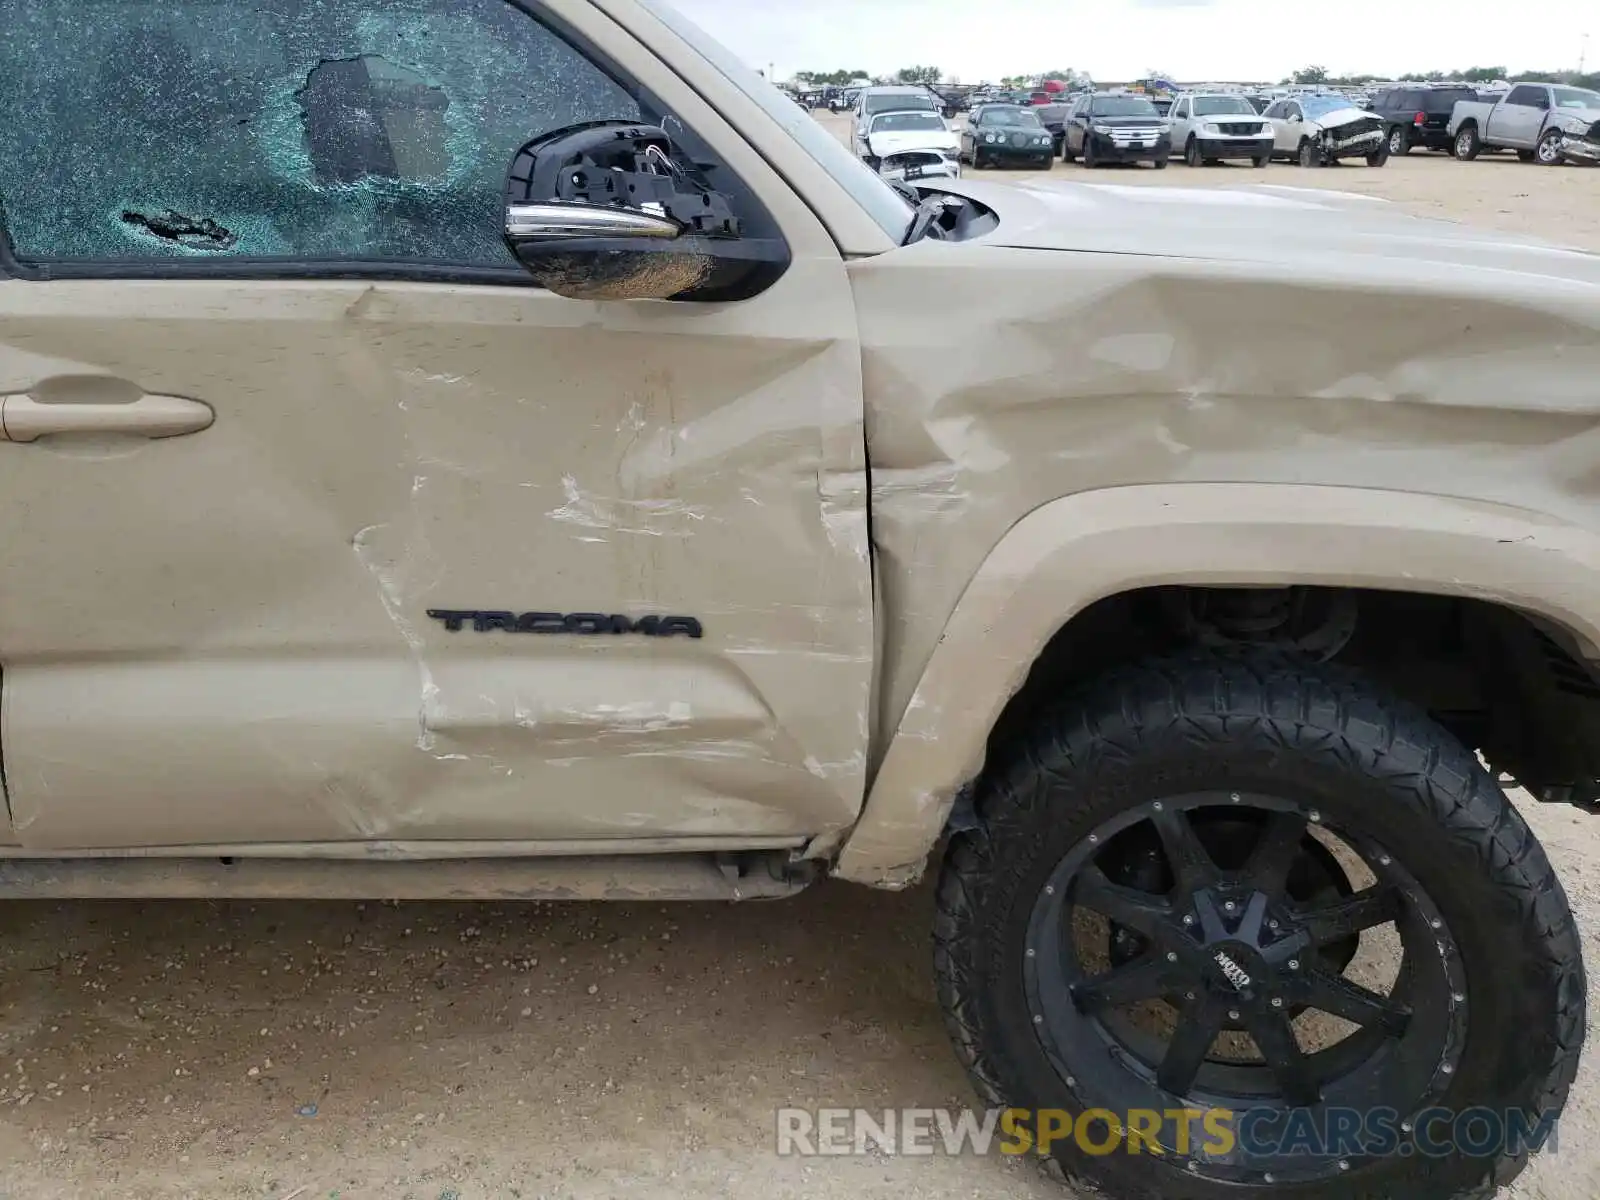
(1194, 724)
(1399, 141)
(1467, 144)
(1378, 157)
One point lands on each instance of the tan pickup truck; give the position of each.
(464, 450)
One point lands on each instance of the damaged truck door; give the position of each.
(468, 551)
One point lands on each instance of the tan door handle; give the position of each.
(24, 418)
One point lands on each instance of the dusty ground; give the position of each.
(451, 1052)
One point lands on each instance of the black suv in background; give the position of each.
(1419, 116)
(1116, 127)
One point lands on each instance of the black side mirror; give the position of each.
(604, 211)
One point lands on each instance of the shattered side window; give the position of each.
(345, 130)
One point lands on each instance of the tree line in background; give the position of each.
(924, 75)
(1315, 75)
(1320, 75)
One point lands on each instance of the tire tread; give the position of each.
(1300, 708)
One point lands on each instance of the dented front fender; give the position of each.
(1072, 552)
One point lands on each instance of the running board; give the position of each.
(755, 875)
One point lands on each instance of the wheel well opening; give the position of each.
(1510, 684)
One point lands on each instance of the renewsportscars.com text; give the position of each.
(1214, 1133)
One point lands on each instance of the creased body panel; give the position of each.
(1043, 374)
(226, 637)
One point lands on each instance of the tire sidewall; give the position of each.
(1065, 803)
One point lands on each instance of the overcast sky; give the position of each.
(1121, 39)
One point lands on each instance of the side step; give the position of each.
(755, 875)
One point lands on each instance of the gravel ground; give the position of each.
(451, 1052)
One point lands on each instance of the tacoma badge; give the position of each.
(590, 624)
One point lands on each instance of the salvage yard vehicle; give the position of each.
(609, 487)
(895, 143)
(1317, 131)
(1419, 115)
(998, 134)
(1052, 114)
(1582, 146)
(874, 100)
(1209, 128)
(1534, 119)
(1108, 127)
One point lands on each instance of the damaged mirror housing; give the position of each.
(605, 211)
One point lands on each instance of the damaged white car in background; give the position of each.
(1316, 131)
(910, 145)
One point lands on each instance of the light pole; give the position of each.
(1583, 52)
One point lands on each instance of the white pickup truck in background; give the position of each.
(1534, 119)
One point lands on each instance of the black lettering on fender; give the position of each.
(581, 624)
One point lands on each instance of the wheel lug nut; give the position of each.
(1171, 957)
(1233, 1014)
(1436, 923)
(1030, 952)
(1459, 997)
(1049, 889)
(1188, 920)
(1277, 1003)
(1315, 816)
(1448, 1069)
(1229, 906)
(1384, 860)
(1272, 924)
(1343, 1165)
(1188, 995)
(1038, 1020)
(1267, 1178)
(1156, 806)
(1234, 797)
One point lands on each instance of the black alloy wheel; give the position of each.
(1264, 888)
(1226, 909)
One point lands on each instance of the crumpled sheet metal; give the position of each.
(1061, 375)
(237, 649)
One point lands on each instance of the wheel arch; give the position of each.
(1063, 558)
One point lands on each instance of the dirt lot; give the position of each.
(450, 1052)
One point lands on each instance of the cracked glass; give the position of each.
(344, 130)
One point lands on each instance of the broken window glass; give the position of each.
(306, 129)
